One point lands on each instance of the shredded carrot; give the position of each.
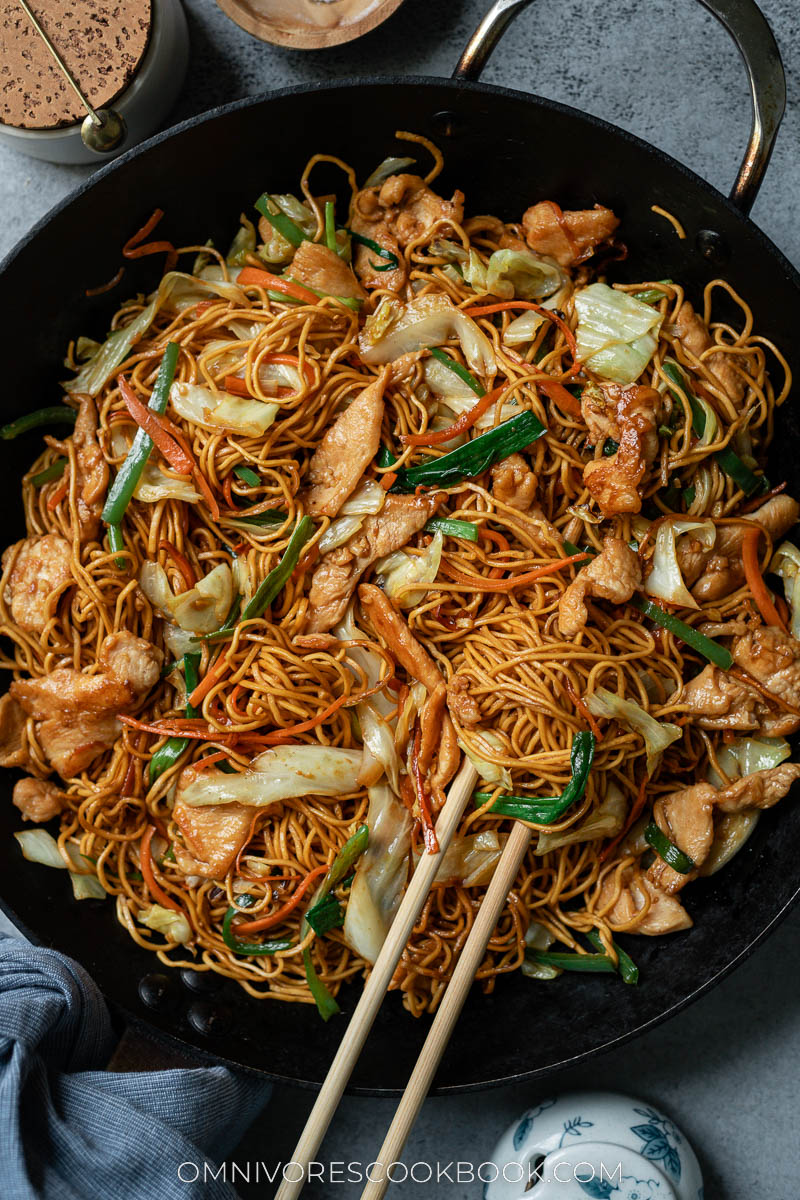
(565, 400)
(181, 562)
(146, 862)
(464, 422)
(208, 760)
(55, 498)
(198, 730)
(755, 580)
(388, 480)
(205, 488)
(285, 909)
(756, 502)
(254, 277)
(211, 678)
(154, 426)
(237, 386)
(585, 712)
(429, 832)
(746, 677)
(106, 287)
(134, 248)
(486, 310)
(515, 581)
(280, 735)
(633, 817)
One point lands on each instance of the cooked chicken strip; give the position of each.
(629, 414)
(463, 706)
(762, 789)
(721, 568)
(345, 451)
(687, 819)
(392, 627)
(717, 700)
(773, 658)
(92, 470)
(513, 482)
(692, 332)
(666, 914)
(614, 575)
(394, 214)
(13, 740)
(38, 800)
(568, 237)
(338, 572)
(324, 271)
(40, 572)
(213, 834)
(77, 713)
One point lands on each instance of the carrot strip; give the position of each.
(507, 585)
(205, 488)
(464, 422)
(755, 580)
(746, 677)
(587, 715)
(237, 386)
(280, 735)
(153, 425)
(633, 817)
(565, 400)
(146, 863)
(254, 277)
(287, 908)
(181, 562)
(180, 729)
(133, 248)
(58, 495)
(105, 287)
(486, 310)
(388, 479)
(211, 678)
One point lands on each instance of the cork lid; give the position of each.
(102, 43)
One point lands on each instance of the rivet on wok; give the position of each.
(157, 991)
(201, 982)
(210, 1020)
(712, 245)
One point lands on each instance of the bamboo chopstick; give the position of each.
(449, 1011)
(376, 986)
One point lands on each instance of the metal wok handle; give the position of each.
(747, 26)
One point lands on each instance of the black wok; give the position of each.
(505, 150)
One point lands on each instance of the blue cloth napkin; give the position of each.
(70, 1130)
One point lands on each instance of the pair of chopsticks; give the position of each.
(376, 986)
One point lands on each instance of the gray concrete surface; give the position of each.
(726, 1069)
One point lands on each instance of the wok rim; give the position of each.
(649, 151)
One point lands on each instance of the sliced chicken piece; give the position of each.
(92, 470)
(77, 713)
(568, 237)
(40, 572)
(687, 819)
(463, 706)
(213, 834)
(513, 482)
(338, 572)
(717, 700)
(344, 453)
(323, 270)
(38, 800)
(614, 575)
(13, 740)
(773, 658)
(692, 332)
(762, 789)
(394, 214)
(629, 414)
(666, 914)
(392, 627)
(722, 571)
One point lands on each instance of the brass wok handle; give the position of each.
(747, 26)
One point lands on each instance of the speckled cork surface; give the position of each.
(726, 1068)
(101, 42)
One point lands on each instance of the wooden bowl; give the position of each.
(273, 20)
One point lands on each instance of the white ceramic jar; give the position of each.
(143, 104)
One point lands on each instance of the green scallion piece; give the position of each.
(385, 458)
(545, 810)
(474, 457)
(270, 516)
(167, 755)
(463, 374)
(326, 915)
(610, 448)
(226, 628)
(672, 855)
(450, 528)
(595, 963)
(626, 966)
(391, 259)
(116, 543)
(706, 646)
(330, 226)
(247, 475)
(729, 461)
(47, 474)
(284, 225)
(651, 295)
(269, 588)
(246, 949)
(55, 415)
(128, 476)
(351, 302)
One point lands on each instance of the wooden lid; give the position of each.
(101, 42)
(308, 24)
